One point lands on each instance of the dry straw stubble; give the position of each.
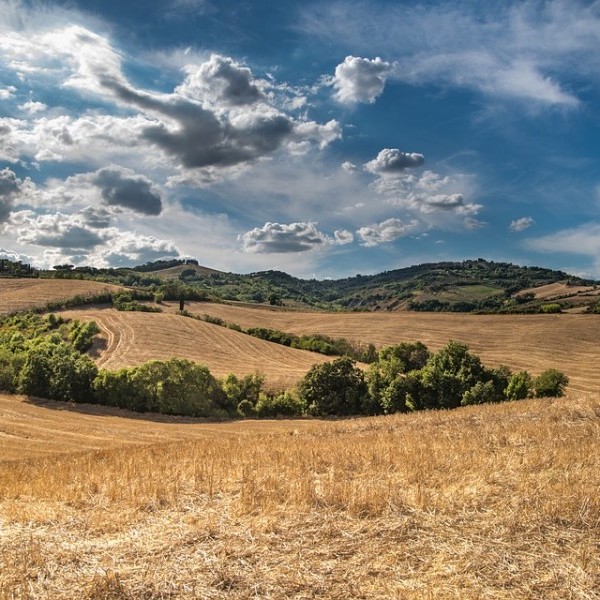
(498, 501)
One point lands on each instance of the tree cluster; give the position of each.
(407, 377)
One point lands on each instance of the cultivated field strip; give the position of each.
(135, 337)
(25, 294)
(569, 342)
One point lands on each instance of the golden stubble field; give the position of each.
(25, 294)
(133, 338)
(499, 501)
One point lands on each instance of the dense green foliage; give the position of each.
(407, 378)
(323, 344)
(334, 388)
(43, 356)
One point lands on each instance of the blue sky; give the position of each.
(319, 138)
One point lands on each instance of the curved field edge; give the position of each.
(568, 342)
(133, 338)
(497, 501)
(26, 294)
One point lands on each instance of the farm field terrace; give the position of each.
(495, 501)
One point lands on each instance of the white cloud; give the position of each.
(360, 79)
(14, 256)
(7, 92)
(521, 224)
(31, 107)
(218, 118)
(583, 240)
(343, 237)
(391, 161)
(473, 224)
(293, 237)
(12, 189)
(220, 80)
(428, 193)
(349, 167)
(385, 232)
(525, 51)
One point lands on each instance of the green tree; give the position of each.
(413, 356)
(550, 383)
(449, 373)
(519, 386)
(334, 388)
(480, 393)
(285, 404)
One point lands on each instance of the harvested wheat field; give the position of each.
(568, 342)
(497, 501)
(133, 338)
(25, 294)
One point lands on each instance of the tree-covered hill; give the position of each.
(468, 286)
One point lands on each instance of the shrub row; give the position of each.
(46, 357)
(408, 377)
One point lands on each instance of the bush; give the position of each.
(480, 393)
(550, 383)
(82, 335)
(519, 386)
(285, 404)
(550, 308)
(246, 409)
(56, 371)
(448, 374)
(334, 388)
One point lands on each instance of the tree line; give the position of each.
(47, 357)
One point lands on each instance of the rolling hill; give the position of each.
(133, 338)
(568, 342)
(25, 294)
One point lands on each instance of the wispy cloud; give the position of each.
(529, 51)
(521, 224)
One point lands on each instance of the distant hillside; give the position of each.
(467, 286)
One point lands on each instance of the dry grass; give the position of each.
(534, 342)
(25, 294)
(132, 338)
(501, 501)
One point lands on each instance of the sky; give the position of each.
(320, 138)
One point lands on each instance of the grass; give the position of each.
(498, 501)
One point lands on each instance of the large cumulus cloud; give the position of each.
(360, 79)
(292, 237)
